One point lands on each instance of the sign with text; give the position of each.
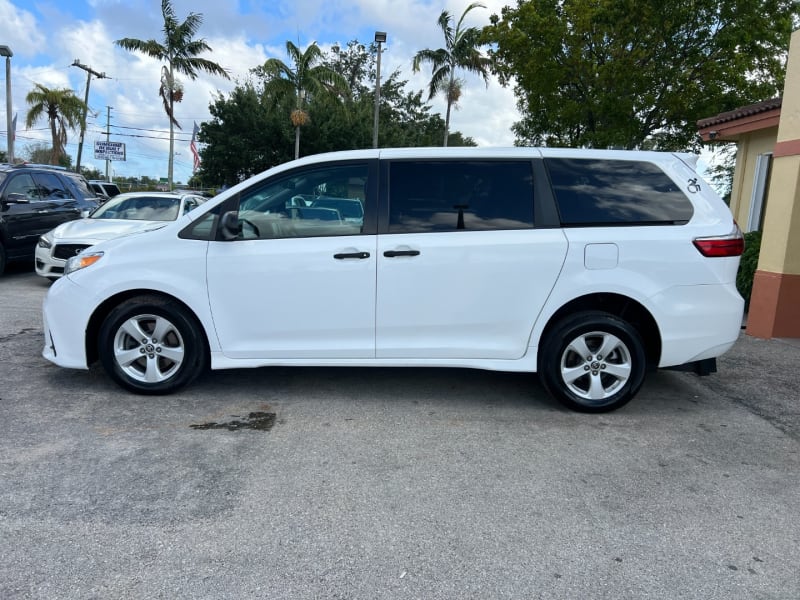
(109, 150)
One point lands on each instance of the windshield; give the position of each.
(349, 209)
(82, 186)
(139, 208)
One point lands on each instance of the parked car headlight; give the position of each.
(44, 242)
(81, 261)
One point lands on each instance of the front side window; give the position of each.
(428, 196)
(22, 184)
(615, 192)
(324, 201)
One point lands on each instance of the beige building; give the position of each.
(766, 196)
(754, 128)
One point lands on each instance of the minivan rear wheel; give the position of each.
(152, 345)
(592, 362)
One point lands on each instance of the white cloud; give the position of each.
(239, 43)
(19, 31)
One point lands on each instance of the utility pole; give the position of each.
(108, 135)
(89, 73)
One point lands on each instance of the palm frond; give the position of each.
(149, 47)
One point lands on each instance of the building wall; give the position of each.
(750, 146)
(775, 300)
(780, 251)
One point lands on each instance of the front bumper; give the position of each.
(65, 315)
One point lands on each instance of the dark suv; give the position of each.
(33, 200)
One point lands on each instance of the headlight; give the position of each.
(81, 261)
(44, 242)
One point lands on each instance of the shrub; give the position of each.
(748, 265)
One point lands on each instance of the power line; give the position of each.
(147, 137)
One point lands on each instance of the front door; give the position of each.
(299, 281)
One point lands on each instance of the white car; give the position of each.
(588, 267)
(123, 214)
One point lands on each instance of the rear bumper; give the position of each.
(697, 322)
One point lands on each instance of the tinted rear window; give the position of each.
(616, 192)
(457, 195)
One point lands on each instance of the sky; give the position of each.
(48, 36)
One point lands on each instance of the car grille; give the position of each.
(65, 251)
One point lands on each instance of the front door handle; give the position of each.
(393, 253)
(344, 255)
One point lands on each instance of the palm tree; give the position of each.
(461, 51)
(63, 110)
(304, 81)
(179, 50)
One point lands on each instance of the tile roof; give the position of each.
(738, 113)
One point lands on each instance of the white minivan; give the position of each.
(588, 267)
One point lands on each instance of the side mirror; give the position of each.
(230, 226)
(17, 199)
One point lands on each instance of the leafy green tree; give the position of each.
(249, 132)
(91, 173)
(461, 51)
(303, 81)
(61, 108)
(179, 50)
(42, 154)
(635, 73)
(405, 120)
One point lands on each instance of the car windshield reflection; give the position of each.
(140, 208)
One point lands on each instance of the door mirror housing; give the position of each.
(16, 199)
(230, 226)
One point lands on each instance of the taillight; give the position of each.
(725, 245)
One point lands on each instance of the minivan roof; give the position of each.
(480, 152)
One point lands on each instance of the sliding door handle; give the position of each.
(393, 253)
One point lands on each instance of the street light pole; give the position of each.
(108, 137)
(380, 38)
(6, 51)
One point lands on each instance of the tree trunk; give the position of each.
(447, 123)
(297, 142)
(449, 104)
(54, 156)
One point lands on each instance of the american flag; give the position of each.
(193, 146)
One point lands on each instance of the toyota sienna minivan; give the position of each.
(588, 267)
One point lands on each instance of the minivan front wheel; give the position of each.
(151, 345)
(592, 362)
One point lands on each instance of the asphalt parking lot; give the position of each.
(393, 483)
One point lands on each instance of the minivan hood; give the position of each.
(101, 229)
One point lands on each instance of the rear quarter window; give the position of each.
(616, 192)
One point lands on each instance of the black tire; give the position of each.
(595, 381)
(146, 364)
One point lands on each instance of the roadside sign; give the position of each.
(109, 150)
